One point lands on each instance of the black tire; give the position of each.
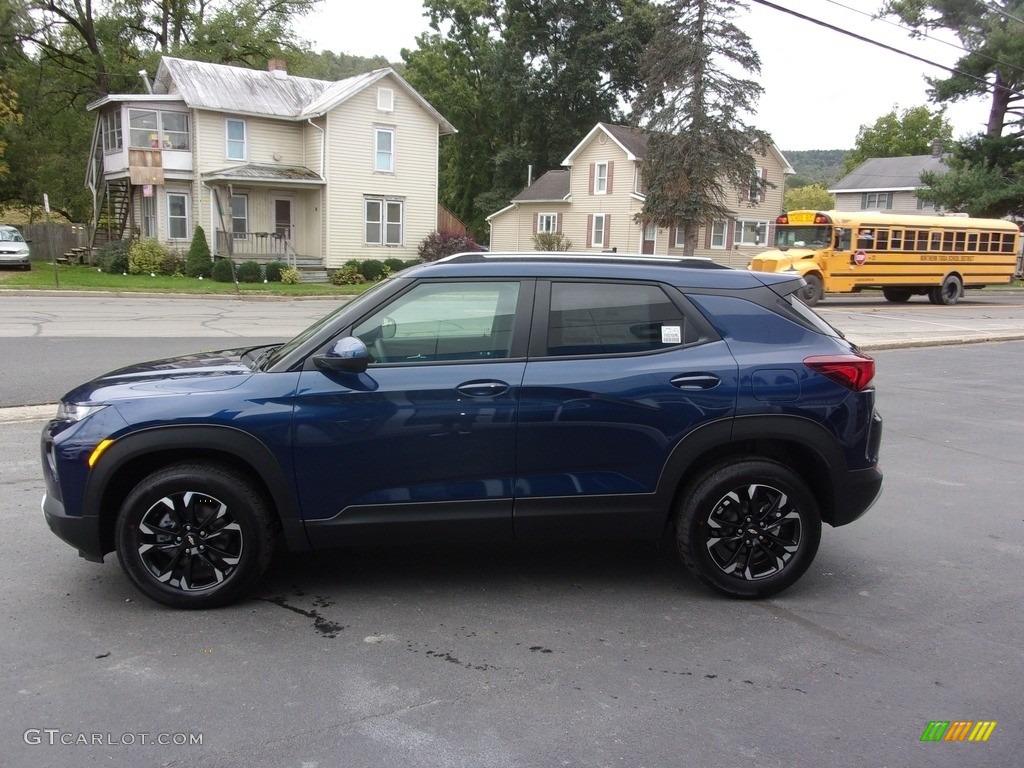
(814, 290)
(194, 536)
(773, 520)
(896, 295)
(948, 293)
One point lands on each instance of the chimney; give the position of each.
(936, 147)
(279, 67)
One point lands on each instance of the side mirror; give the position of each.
(347, 355)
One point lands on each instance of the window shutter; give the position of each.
(590, 189)
(590, 224)
(611, 168)
(671, 237)
(730, 233)
(607, 230)
(558, 223)
(536, 223)
(708, 227)
(863, 200)
(763, 189)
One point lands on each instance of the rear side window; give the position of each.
(613, 318)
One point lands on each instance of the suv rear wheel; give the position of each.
(194, 536)
(748, 528)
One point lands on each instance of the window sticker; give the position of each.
(671, 334)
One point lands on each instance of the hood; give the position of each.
(200, 372)
(7, 246)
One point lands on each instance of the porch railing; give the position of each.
(256, 246)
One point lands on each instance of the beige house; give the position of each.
(594, 203)
(270, 165)
(889, 184)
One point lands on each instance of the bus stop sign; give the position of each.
(860, 257)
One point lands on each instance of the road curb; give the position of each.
(27, 413)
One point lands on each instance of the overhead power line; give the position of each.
(840, 30)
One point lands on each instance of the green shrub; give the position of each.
(222, 272)
(551, 241)
(145, 257)
(173, 264)
(113, 257)
(290, 276)
(272, 271)
(373, 270)
(437, 245)
(347, 275)
(199, 263)
(397, 265)
(249, 272)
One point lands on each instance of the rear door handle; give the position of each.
(483, 388)
(691, 382)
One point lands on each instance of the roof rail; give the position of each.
(698, 262)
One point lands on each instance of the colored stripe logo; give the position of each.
(958, 730)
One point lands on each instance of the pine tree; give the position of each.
(695, 107)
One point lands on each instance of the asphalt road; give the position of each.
(576, 654)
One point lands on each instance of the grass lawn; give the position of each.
(74, 277)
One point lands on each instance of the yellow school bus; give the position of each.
(903, 255)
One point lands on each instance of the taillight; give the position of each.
(853, 371)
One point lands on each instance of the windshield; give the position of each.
(11, 235)
(802, 237)
(283, 350)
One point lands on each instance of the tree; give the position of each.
(696, 108)
(990, 31)
(813, 197)
(908, 133)
(986, 178)
(8, 116)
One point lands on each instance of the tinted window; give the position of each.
(608, 318)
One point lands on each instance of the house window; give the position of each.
(240, 216)
(111, 125)
(601, 178)
(177, 216)
(143, 128)
(875, 200)
(547, 222)
(599, 230)
(384, 150)
(751, 232)
(718, 233)
(235, 140)
(148, 211)
(174, 130)
(383, 221)
(925, 205)
(385, 99)
(150, 129)
(757, 186)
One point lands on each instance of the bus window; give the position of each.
(960, 240)
(881, 239)
(865, 239)
(801, 237)
(1008, 240)
(843, 239)
(972, 241)
(936, 240)
(896, 241)
(947, 241)
(983, 247)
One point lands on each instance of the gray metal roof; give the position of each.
(885, 174)
(293, 174)
(552, 187)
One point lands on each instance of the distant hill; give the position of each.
(815, 166)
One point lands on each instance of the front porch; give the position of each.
(263, 247)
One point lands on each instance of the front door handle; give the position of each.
(691, 382)
(483, 388)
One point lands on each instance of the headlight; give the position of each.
(76, 411)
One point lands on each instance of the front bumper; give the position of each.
(82, 533)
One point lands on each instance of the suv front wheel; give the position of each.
(748, 528)
(194, 536)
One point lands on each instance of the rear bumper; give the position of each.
(82, 533)
(855, 495)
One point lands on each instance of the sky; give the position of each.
(819, 85)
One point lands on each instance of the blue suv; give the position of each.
(483, 397)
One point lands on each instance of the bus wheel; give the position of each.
(896, 295)
(814, 292)
(948, 293)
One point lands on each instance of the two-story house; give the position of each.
(593, 202)
(270, 165)
(889, 184)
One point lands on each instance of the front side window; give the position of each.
(606, 318)
(470, 321)
(383, 221)
(384, 156)
(235, 139)
(177, 216)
